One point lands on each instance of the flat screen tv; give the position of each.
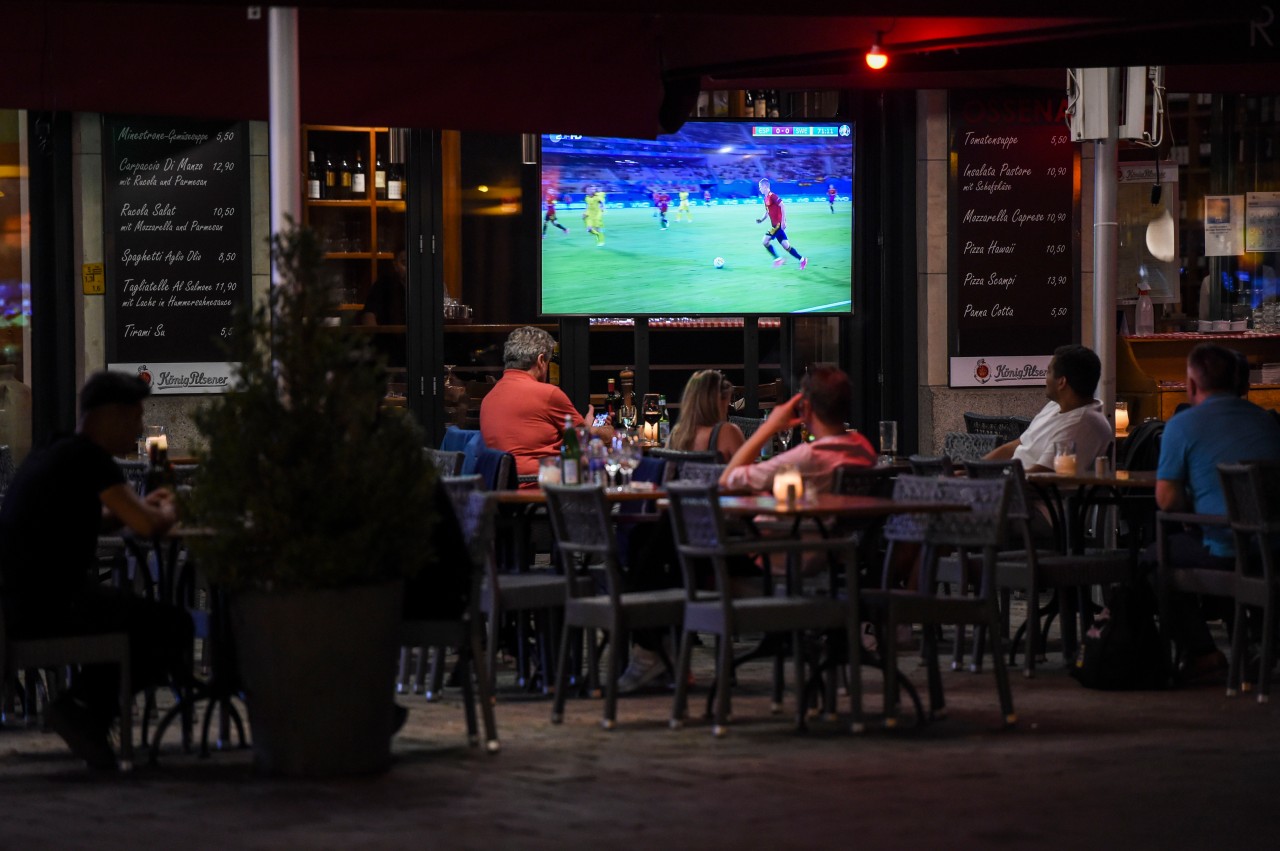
(677, 224)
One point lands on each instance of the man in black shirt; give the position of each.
(53, 512)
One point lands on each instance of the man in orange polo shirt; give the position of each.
(523, 414)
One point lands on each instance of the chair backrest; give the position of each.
(960, 446)
(910, 528)
(135, 473)
(1005, 428)
(1252, 492)
(980, 529)
(463, 546)
(584, 531)
(456, 439)
(749, 425)
(684, 454)
(446, 462)
(497, 469)
(930, 465)
(685, 463)
(698, 471)
(699, 530)
(860, 480)
(1019, 503)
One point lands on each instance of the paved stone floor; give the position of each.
(1182, 769)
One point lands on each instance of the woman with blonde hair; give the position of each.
(704, 411)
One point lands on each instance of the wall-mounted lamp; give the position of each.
(876, 58)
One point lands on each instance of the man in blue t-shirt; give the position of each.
(1219, 427)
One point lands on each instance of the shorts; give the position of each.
(778, 234)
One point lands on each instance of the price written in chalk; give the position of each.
(1055, 248)
(1057, 312)
(226, 256)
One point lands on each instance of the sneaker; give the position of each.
(804, 261)
(646, 666)
(779, 262)
(83, 732)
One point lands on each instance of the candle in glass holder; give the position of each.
(1122, 417)
(649, 431)
(788, 486)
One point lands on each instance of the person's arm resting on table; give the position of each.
(151, 516)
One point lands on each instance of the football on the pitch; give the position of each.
(718, 262)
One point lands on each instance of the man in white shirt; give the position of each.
(1070, 414)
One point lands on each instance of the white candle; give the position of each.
(785, 481)
(649, 431)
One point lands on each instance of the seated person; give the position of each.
(1070, 414)
(53, 513)
(523, 414)
(385, 305)
(1219, 428)
(822, 404)
(704, 412)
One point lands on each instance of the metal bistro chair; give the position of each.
(678, 459)
(1253, 504)
(930, 465)
(701, 535)
(584, 533)
(749, 425)
(961, 447)
(107, 648)
(1005, 428)
(975, 533)
(472, 512)
(447, 463)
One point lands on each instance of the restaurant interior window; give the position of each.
(15, 287)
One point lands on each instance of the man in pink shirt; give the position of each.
(822, 405)
(523, 414)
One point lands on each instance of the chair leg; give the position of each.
(126, 715)
(857, 724)
(1238, 645)
(468, 693)
(491, 648)
(617, 638)
(1009, 717)
(562, 676)
(484, 691)
(779, 674)
(1268, 648)
(402, 678)
(933, 674)
(979, 648)
(680, 704)
(802, 701)
(888, 641)
(957, 661)
(723, 675)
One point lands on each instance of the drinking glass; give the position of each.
(613, 462)
(1064, 457)
(627, 416)
(888, 441)
(630, 454)
(152, 434)
(784, 438)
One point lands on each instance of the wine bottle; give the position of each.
(344, 179)
(664, 422)
(315, 177)
(330, 178)
(358, 188)
(395, 182)
(570, 454)
(379, 178)
(612, 401)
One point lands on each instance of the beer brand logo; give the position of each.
(981, 371)
(145, 374)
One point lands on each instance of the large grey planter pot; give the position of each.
(318, 669)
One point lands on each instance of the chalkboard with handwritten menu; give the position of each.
(1014, 237)
(177, 221)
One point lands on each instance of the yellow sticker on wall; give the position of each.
(94, 277)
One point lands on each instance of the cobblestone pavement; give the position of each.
(1182, 769)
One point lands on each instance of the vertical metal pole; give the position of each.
(285, 128)
(1105, 241)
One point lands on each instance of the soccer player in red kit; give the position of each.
(550, 217)
(664, 200)
(706, 197)
(831, 197)
(777, 226)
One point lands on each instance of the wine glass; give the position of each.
(630, 453)
(613, 462)
(627, 416)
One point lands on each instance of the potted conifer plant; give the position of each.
(319, 503)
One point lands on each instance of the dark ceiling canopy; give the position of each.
(575, 66)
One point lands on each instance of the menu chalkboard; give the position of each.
(1014, 245)
(177, 220)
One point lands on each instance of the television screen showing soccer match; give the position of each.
(727, 218)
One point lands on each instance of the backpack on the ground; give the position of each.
(1122, 650)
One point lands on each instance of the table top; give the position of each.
(537, 496)
(830, 505)
(1120, 479)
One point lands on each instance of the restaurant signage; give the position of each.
(1014, 244)
(177, 220)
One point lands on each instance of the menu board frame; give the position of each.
(177, 226)
(1013, 253)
